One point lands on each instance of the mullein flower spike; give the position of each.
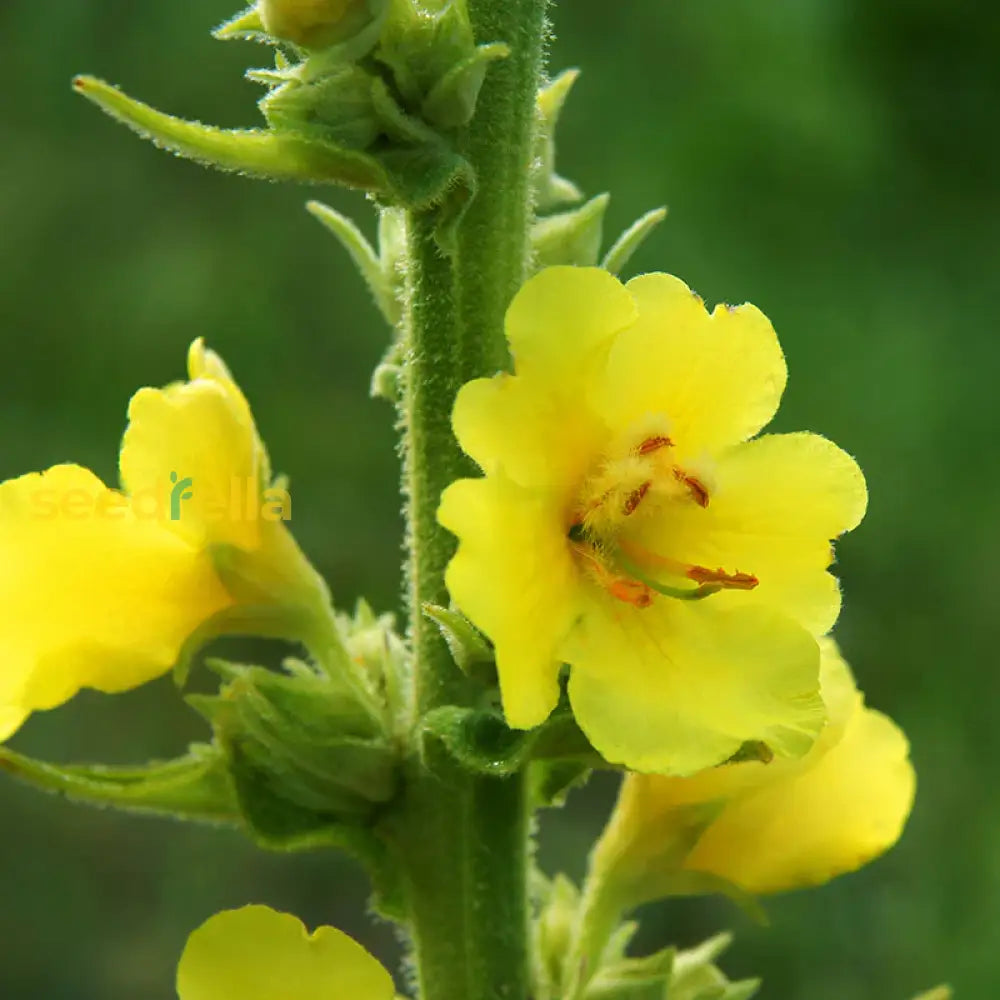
(767, 827)
(256, 953)
(630, 525)
(108, 589)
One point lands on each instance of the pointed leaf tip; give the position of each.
(630, 241)
(466, 645)
(255, 152)
(363, 254)
(452, 101)
(572, 237)
(245, 25)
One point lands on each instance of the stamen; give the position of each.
(698, 490)
(631, 591)
(655, 443)
(709, 581)
(719, 577)
(635, 497)
(581, 516)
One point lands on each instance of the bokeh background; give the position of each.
(834, 161)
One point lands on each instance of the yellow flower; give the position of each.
(107, 589)
(256, 953)
(628, 527)
(768, 827)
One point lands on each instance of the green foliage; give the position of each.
(194, 787)
(482, 741)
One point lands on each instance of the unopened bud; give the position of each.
(318, 24)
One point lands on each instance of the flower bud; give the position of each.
(318, 24)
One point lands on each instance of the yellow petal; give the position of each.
(93, 594)
(525, 427)
(649, 799)
(205, 363)
(202, 432)
(680, 686)
(717, 378)
(514, 578)
(767, 826)
(256, 953)
(778, 502)
(831, 818)
(560, 317)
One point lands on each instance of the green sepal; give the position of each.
(370, 265)
(550, 189)
(276, 824)
(467, 645)
(572, 237)
(386, 382)
(481, 741)
(646, 978)
(195, 787)
(421, 42)
(551, 781)
(245, 26)
(695, 977)
(256, 152)
(558, 901)
(326, 744)
(432, 176)
(333, 104)
(630, 240)
(451, 102)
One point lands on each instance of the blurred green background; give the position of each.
(834, 161)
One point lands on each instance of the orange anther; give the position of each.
(697, 489)
(621, 587)
(631, 591)
(635, 497)
(719, 577)
(652, 444)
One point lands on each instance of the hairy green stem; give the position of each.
(461, 840)
(493, 247)
(462, 845)
(456, 306)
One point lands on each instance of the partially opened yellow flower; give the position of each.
(105, 589)
(768, 827)
(256, 953)
(626, 525)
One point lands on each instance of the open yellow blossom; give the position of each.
(256, 953)
(106, 589)
(768, 827)
(627, 526)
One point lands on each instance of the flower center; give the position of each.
(637, 480)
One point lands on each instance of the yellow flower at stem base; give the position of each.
(766, 827)
(107, 589)
(627, 526)
(256, 953)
